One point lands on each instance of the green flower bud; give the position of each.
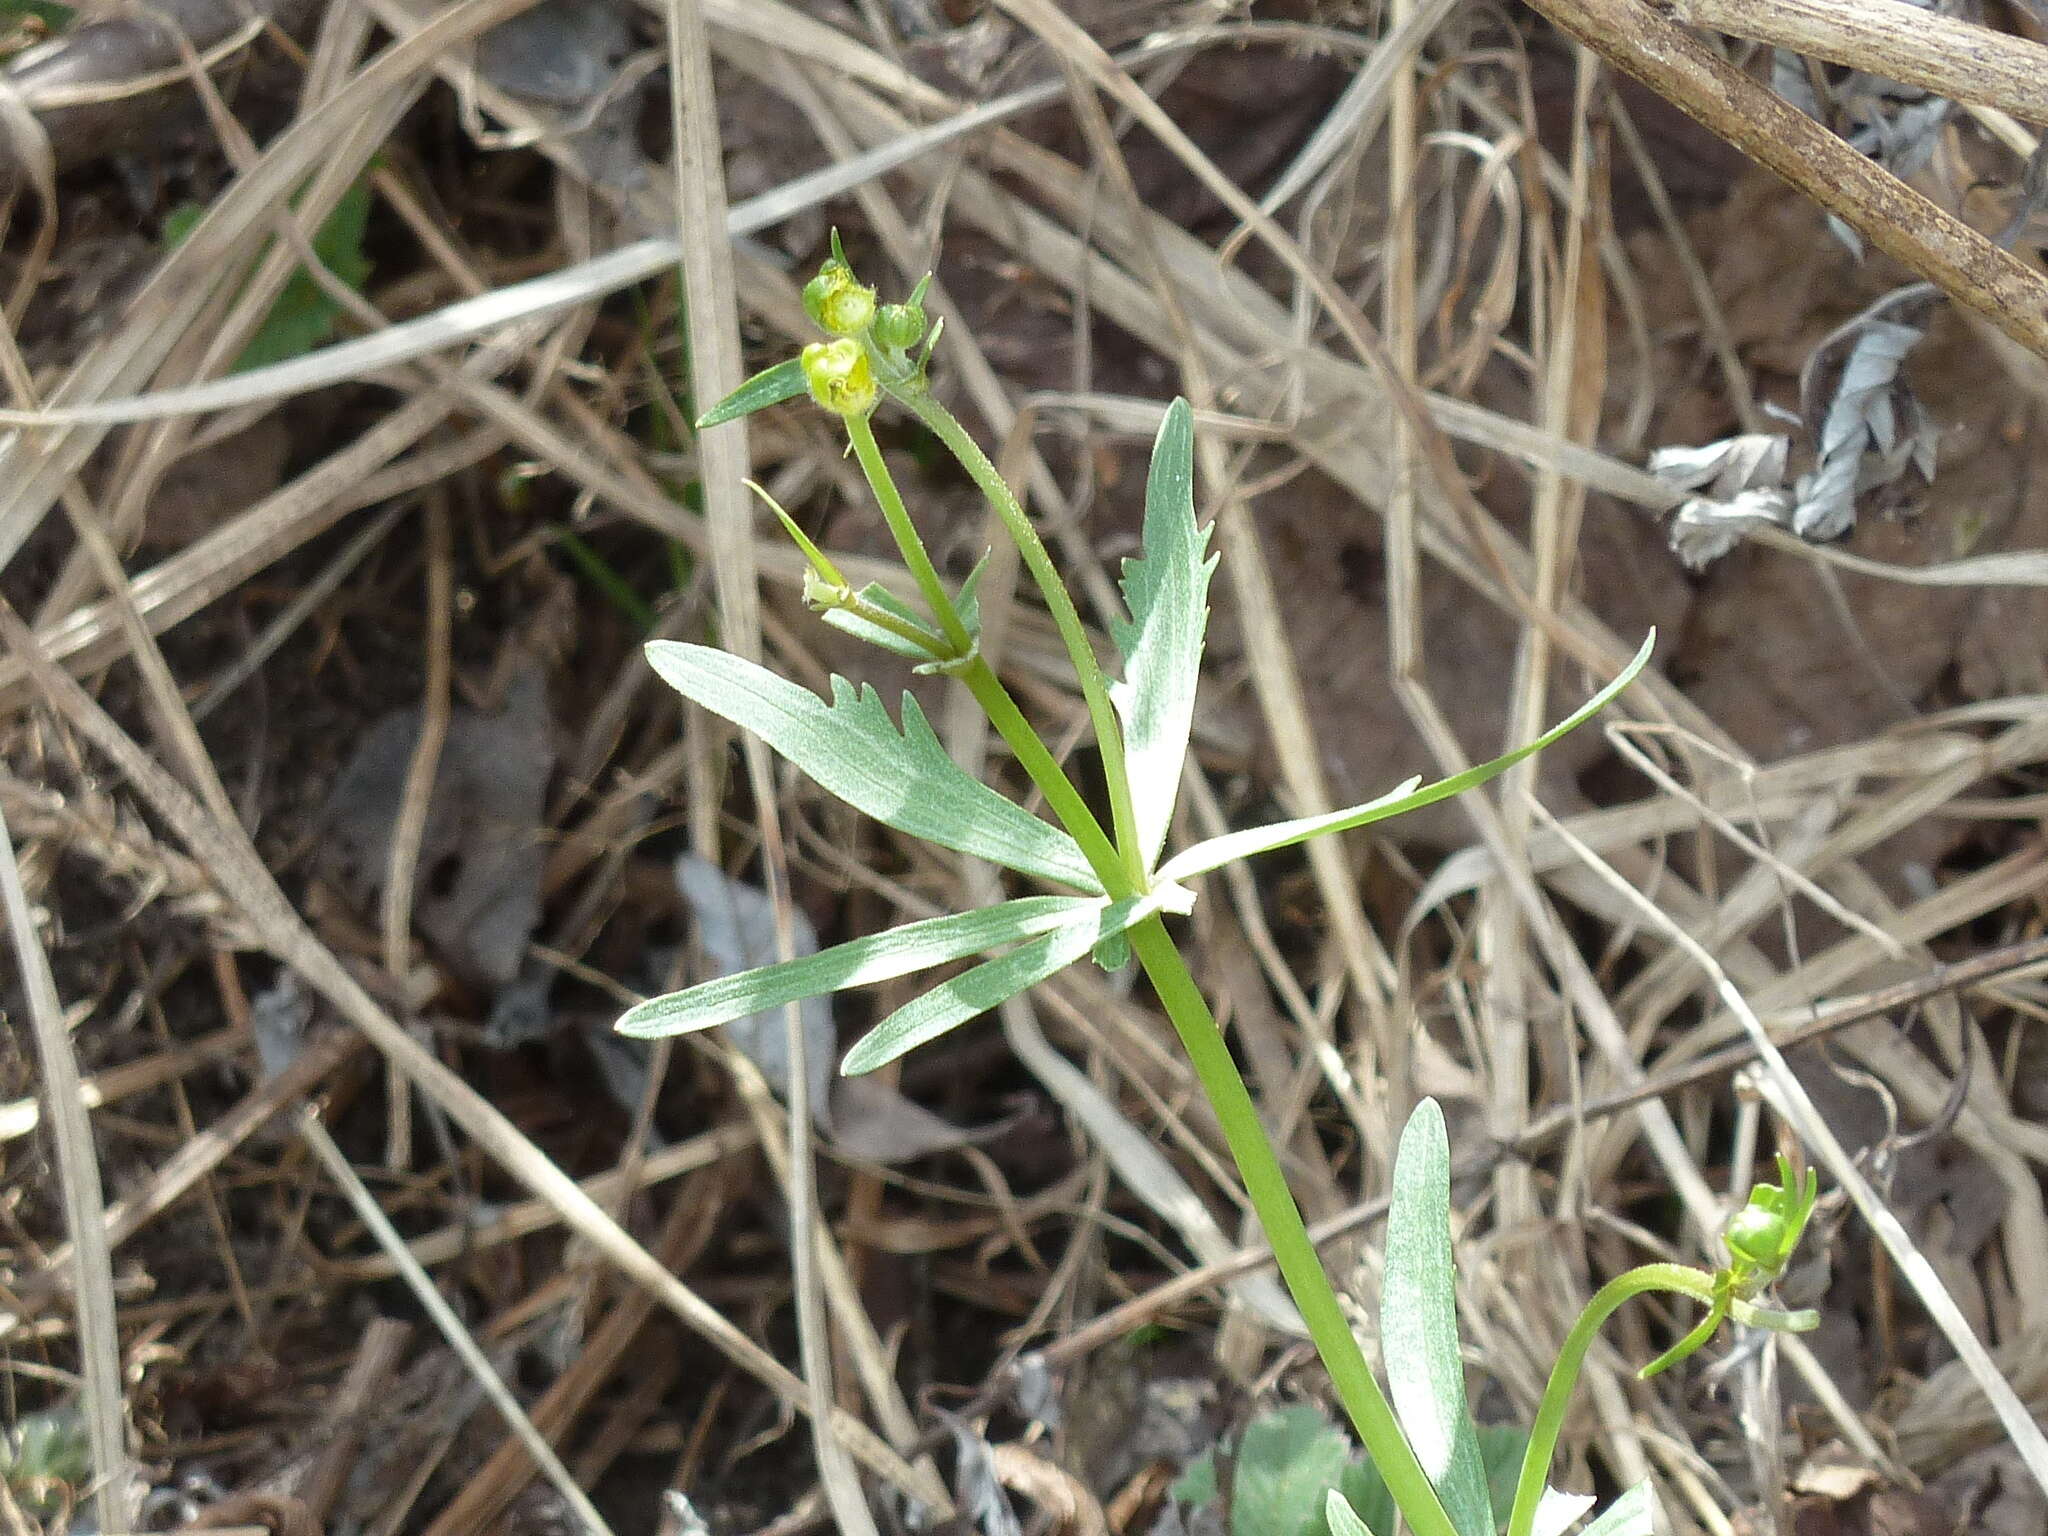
(839, 376)
(838, 301)
(1764, 1234)
(1756, 1235)
(899, 327)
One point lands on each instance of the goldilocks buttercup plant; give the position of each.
(1115, 881)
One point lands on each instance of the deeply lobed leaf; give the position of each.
(852, 748)
(1166, 589)
(994, 982)
(859, 963)
(972, 993)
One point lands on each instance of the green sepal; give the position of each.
(847, 621)
(1113, 953)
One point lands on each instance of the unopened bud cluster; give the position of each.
(1762, 1236)
(868, 337)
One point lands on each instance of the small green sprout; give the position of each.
(46, 1459)
(1114, 880)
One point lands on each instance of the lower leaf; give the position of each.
(994, 982)
(880, 957)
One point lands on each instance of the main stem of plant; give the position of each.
(1094, 690)
(1121, 869)
(1293, 1251)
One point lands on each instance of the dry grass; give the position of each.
(1469, 363)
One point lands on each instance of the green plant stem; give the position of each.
(988, 690)
(1564, 1375)
(845, 599)
(1295, 1254)
(1052, 781)
(908, 543)
(1094, 690)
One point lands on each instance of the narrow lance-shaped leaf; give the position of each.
(994, 982)
(1419, 1325)
(852, 748)
(860, 963)
(1218, 851)
(771, 386)
(1166, 589)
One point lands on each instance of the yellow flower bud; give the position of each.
(839, 376)
(838, 301)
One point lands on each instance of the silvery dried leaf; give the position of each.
(521, 1013)
(1893, 124)
(564, 53)
(1742, 479)
(1703, 531)
(575, 58)
(981, 1497)
(622, 1063)
(278, 1016)
(736, 932)
(873, 1122)
(1032, 1390)
(1867, 426)
(1723, 468)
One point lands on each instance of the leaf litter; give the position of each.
(1862, 427)
(481, 855)
(1996, 654)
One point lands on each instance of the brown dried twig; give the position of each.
(1641, 39)
(1909, 43)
